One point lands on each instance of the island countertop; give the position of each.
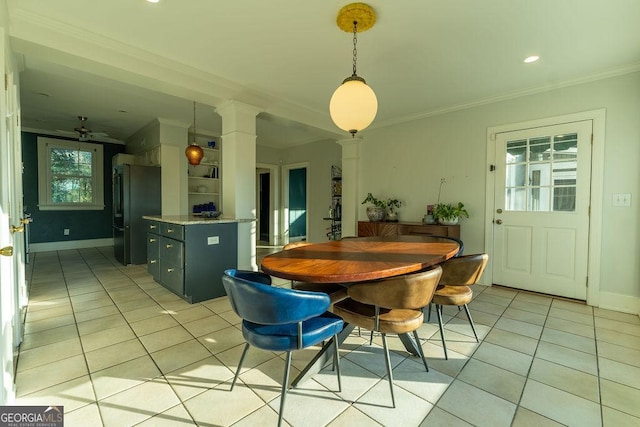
(194, 219)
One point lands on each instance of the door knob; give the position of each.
(18, 229)
(6, 251)
(25, 221)
(499, 211)
(498, 221)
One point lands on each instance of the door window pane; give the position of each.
(541, 173)
(517, 151)
(516, 175)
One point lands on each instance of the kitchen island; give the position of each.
(187, 254)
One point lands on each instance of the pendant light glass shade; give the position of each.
(194, 154)
(353, 105)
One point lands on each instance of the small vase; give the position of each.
(392, 216)
(375, 213)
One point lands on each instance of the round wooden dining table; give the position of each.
(353, 260)
(359, 259)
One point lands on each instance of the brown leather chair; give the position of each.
(335, 291)
(458, 275)
(390, 306)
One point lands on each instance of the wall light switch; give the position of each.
(65, 231)
(213, 240)
(622, 199)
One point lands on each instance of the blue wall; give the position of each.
(48, 226)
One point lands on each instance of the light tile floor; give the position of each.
(116, 349)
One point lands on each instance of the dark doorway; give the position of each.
(265, 197)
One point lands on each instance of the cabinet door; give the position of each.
(153, 255)
(172, 264)
(172, 251)
(370, 228)
(172, 230)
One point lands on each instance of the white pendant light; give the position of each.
(354, 105)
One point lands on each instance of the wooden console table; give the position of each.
(369, 228)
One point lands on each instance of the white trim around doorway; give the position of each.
(597, 177)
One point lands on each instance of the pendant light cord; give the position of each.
(355, 49)
(194, 122)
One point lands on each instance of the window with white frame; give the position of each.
(70, 175)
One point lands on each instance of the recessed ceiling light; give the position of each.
(530, 59)
(42, 93)
(122, 111)
(153, 1)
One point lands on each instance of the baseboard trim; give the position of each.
(70, 244)
(618, 302)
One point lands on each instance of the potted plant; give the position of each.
(392, 206)
(448, 213)
(378, 207)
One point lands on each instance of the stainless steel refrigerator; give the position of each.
(136, 192)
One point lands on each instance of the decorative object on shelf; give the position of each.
(377, 211)
(354, 105)
(194, 152)
(428, 218)
(204, 207)
(392, 209)
(212, 143)
(210, 214)
(201, 189)
(448, 213)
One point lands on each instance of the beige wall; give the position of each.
(407, 161)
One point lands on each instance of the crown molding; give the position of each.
(512, 95)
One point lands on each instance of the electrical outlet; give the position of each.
(66, 232)
(622, 199)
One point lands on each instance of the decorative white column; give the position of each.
(350, 177)
(239, 175)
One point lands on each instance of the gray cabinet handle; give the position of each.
(153, 261)
(169, 245)
(152, 240)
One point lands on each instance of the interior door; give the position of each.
(295, 202)
(541, 219)
(12, 281)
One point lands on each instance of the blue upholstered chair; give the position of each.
(280, 319)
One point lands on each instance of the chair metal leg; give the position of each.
(473, 327)
(388, 360)
(371, 338)
(429, 312)
(424, 361)
(337, 360)
(244, 353)
(444, 344)
(285, 386)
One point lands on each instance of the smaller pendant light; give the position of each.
(194, 152)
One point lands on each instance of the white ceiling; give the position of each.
(422, 57)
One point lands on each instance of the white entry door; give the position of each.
(541, 219)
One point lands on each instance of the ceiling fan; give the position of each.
(83, 133)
